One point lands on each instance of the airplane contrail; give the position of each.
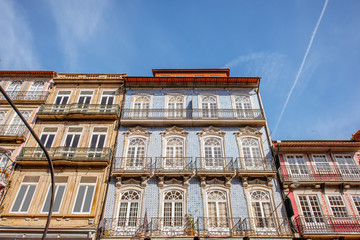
(302, 65)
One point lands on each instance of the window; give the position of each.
(47, 139)
(97, 142)
(35, 91)
(321, 164)
(2, 116)
(17, 127)
(217, 209)
(347, 166)
(129, 209)
(85, 195)
(338, 207)
(25, 194)
(4, 159)
(173, 208)
(175, 106)
(71, 141)
(356, 200)
(141, 107)
(107, 101)
(261, 210)
(135, 153)
(84, 100)
(61, 101)
(242, 106)
(213, 153)
(59, 194)
(252, 154)
(174, 153)
(311, 210)
(297, 165)
(209, 106)
(14, 88)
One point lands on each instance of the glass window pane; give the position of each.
(79, 199)
(28, 197)
(19, 198)
(88, 199)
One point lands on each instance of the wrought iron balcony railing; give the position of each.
(66, 153)
(27, 95)
(214, 163)
(254, 164)
(56, 109)
(203, 226)
(220, 114)
(319, 173)
(133, 164)
(13, 130)
(327, 224)
(173, 164)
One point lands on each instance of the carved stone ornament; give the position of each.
(174, 131)
(203, 182)
(248, 131)
(269, 181)
(257, 181)
(131, 181)
(138, 131)
(144, 180)
(245, 181)
(211, 131)
(215, 181)
(118, 182)
(173, 181)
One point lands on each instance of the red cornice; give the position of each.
(194, 70)
(193, 79)
(47, 74)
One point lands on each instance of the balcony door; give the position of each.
(135, 156)
(213, 154)
(35, 91)
(71, 142)
(47, 138)
(217, 211)
(97, 142)
(263, 215)
(61, 101)
(141, 107)
(243, 107)
(128, 212)
(252, 158)
(322, 165)
(13, 89)
(173, 210)
(174, 156)
(347, 166)
(209, 107)
(298, 168)
(312, 215)
(84, 101)
(107, 101)
(17, 127)
(175, 106)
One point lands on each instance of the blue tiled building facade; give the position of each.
(193, 157)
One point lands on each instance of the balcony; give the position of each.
(13, 133)
(173, 166)
(320, 173)
(214, 166)
(65, 156)
(223, 227)
(328, 225)
(26, 97)
(255, 166)
(132, 166)
(192, 117)
(78, 111)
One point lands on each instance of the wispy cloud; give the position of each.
(267, 65)
(301, 66)
(16, 40)
(78, 22)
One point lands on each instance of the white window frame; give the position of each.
(348, 169)
(141, 113)
(97, 150)
(61, 107)
(70, 152)
(203, 153)
(34, 93)
(322, 167)
(174, 225)
(107, 107)
(5, 159)
(85, 193)
(28, 184)
(269, 220)
(213, 113)
(215, 223)
(239, 113)
(126, 226)
(56, 195)
(18, 126)
(176, 112)
(172, 162)
(126, 147)
(334, 208)
(313, 218)
(302, 170)
(356, 202)
(260, 165)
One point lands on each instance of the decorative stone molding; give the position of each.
(186, 181)
(203, 182)
(257, 181)
(138, 131)
(131, 181)
(245, 181)
(269, 181)
(211, 131)
(248, 131)
(118, 182)
(216, 181)
(174, 131)
(173, 181)
(144, 181)
(161, 181)
(227, 181)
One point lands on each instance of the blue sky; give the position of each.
(253, 38)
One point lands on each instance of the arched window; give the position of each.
(129, 209)
(35, 91)
(209, 106)
(141, 107)
(174, 158)
(175, 106)
(213, 153)
(173, 208)
(242, 106)
(252, 154)
(217, 209)
(261, 209)
(135, 154)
